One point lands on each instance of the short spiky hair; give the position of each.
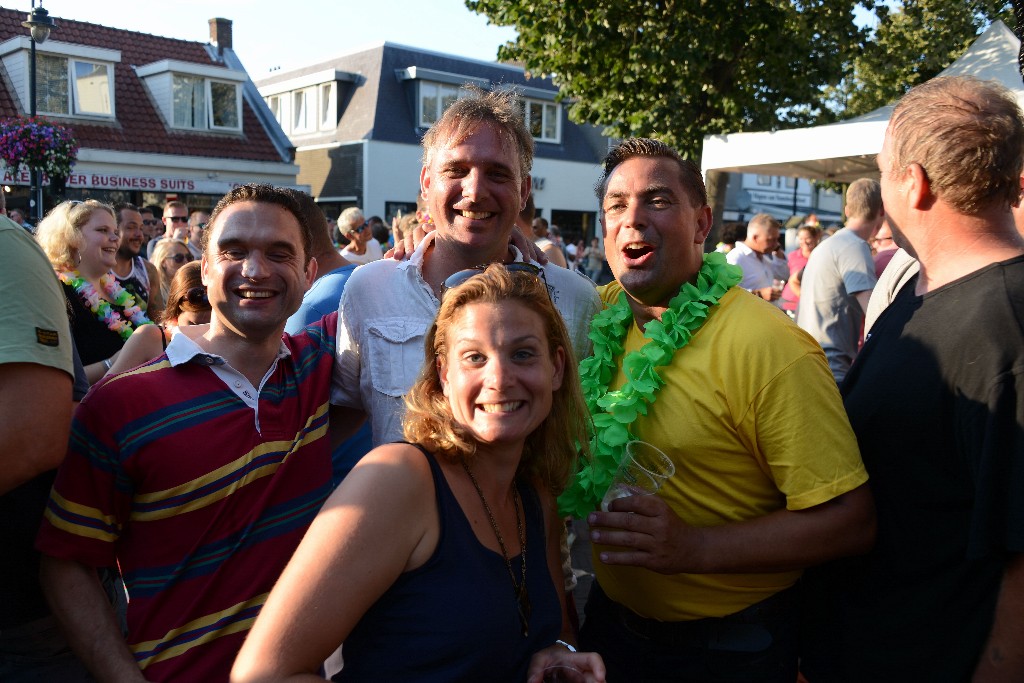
(689, 174)
(967, 135)
(264, 194)
(496, 108)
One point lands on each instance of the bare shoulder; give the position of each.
(396, 473)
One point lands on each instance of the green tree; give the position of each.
(914, 40)
(681, 69)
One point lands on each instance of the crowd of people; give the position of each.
(298, 458)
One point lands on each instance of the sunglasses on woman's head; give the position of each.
(196, 296)
(462, 276)
(179, 258)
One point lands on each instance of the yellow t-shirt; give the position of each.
(753, 421)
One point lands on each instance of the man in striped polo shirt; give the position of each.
(197, 473)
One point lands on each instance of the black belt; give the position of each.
(748, 630)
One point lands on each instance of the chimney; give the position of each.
(220, 34)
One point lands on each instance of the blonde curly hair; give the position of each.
(60, 233)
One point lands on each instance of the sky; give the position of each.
(267, 33)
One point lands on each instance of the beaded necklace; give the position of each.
(123, 323)
(614, 411)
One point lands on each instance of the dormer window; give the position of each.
(434, 99)
(202, 103)
(195, 96)
(308, 104)
(73, 87)
(71, 80)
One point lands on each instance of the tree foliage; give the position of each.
(681, 69)
(913, 42)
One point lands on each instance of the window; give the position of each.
(543, 120)
(202, 103)
(276, 104)
(791, 183)
(189, 102)
(434, 99)
(225, 111)
(328, 107)
(77, 87)
(764, 180)
(303, 110)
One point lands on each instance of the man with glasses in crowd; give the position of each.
(196, 224)
(175, 224)
(150, 225)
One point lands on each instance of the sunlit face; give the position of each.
(98, 249)
(150, 225)
(474, 191)
(176, 222)
(130, 226)
(882, 240)
(653, 231)
(255, 269)
(764, 240)
(498, 374)
(197, 224)
(806, 240)
(175, 257)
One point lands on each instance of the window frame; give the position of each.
(545, 106)
(207, 104)
(439, 105)
(72, 93)
(210, 119)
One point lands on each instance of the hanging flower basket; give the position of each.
(38, 145)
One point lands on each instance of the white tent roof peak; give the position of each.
(846, 150)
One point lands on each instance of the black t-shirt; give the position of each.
(95, 341)
(936, 398)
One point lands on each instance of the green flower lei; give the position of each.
(614, 411)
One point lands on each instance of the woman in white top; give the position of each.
(362, 247)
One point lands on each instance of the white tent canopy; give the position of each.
(846, 151)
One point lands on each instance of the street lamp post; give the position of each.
(39, 25)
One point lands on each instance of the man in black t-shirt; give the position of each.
(936, 398)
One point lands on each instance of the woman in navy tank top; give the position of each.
(437, 559)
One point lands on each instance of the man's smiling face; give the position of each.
(474, 191)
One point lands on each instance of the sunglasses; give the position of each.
(178, 258)
(462, 276)
(177, 219)
(195, 296)
(150, 221)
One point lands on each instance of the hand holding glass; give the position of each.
(644, 468)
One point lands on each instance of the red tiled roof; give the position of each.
(139, 127)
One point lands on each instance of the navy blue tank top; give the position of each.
(455, 618)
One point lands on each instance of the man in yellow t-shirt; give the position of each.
(693, 583)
